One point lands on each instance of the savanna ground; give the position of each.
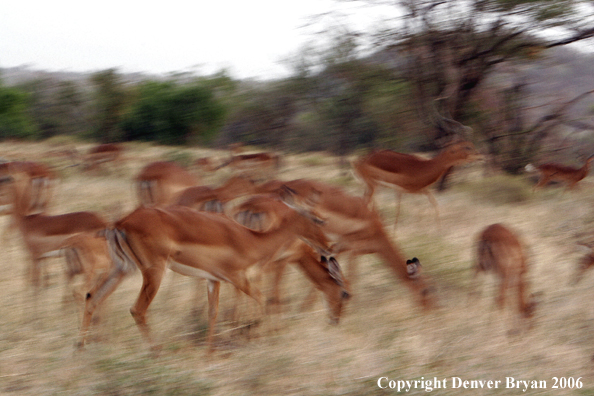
(383, 333)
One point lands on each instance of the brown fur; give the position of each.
(409, 173)
(500, 251)
(214, 244)
(258, 213)
(102, 153)
(561, 173)
(161, 183)
(205, 198)
(43, 234)
(356, 227)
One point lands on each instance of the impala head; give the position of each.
(308, 221)
(462, 152)
(304, 206)
(584, 264)
(17, 188)
(337, 293)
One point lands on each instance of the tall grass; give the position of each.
(383, 333)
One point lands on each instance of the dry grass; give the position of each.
(382, 333)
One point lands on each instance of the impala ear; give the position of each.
(336, 274)
(287, 194)
(334, 270)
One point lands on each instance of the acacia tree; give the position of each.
(447, 49)
(451, 46)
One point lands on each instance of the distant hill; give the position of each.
(17, 75)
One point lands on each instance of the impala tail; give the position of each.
(122, 255)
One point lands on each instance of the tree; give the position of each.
(14, 121)
(111, 99)
(447, 49)
(173, 114)
(57, 107)
(450, 46)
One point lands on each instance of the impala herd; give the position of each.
(218, 233)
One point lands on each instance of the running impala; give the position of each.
(500, 251)
(44, 236)
(356, 228)
(561, 173)
(261, 213)
(408, 173)
(197, 244)
(160, 183)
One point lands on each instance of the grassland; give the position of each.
(383, 333)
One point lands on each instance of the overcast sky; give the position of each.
(247, 37)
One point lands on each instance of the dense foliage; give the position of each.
(14, 121)
(173, 114)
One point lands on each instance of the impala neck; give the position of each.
(394, 259)
(21, 196)
(268, 243)
(443, 161)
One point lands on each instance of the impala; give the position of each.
(106, 152)
(256, 163)
(197, 244)
(213, 199)
(261, 213)
(86, 254)
(500, 251)
(36, 183)
(355, 226)
(560, 173)
(44, 236)
(408, 173)
(160, 183)
(205, 164)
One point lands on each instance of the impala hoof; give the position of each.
(79, 346)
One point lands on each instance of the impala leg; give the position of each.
(242, 283)
(369, 190)
(279, 270)
(213, 310)
(151, 280)
(234, 315)
(398, 200)
(435, 206)
(503, 285)
(353, 271)
(103, 289)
